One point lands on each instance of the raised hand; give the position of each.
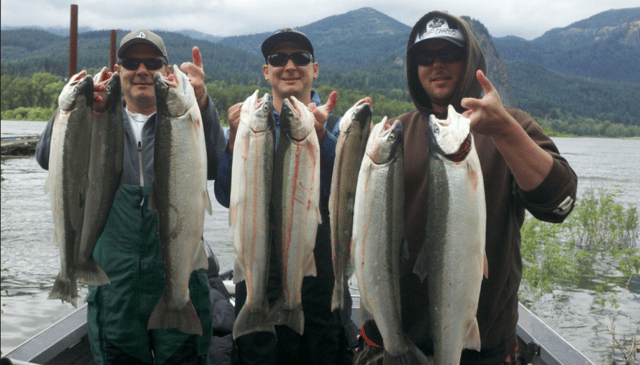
(322, 113)
(195, 72)
(488, 116)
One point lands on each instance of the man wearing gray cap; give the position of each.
(522, 170)
(290, 68)
(129, 249)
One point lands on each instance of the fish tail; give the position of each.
(337, 301)
(412, 357)
(65, 290)
(185, 320)
(91, 273)
(292, 318)
(249, 321)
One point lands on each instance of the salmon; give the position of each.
(179, 196)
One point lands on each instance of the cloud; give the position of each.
(235, 17)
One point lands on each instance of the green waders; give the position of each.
(129, 252)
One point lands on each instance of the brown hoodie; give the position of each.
(506, 203)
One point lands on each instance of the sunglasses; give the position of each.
(427, 57)
(149, 63)
(281, 59)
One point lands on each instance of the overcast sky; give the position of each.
(526, 19)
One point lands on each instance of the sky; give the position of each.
(525, 19)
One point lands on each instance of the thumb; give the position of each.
(197, 56)
(484, 82)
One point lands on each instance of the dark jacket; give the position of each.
(506, 203)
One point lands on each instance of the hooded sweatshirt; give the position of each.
(506, 203)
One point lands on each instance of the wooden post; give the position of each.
(112, 53)
(73, 41)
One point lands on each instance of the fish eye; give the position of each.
(108, 88)
(265, 107)
(392, 137)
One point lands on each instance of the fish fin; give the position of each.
(65, 290)
(121, 183)
(485, 269)
(232, 215)
(47, 188)
(472, 339)
(311, 269)
(151, 204)
(293, 318)
(413, 356)
(200, 261)
(319, 216)
(421, 268)
(238, 272)
(185, 320)
(337, 300)
(207, 201)
(405, 249)
(92, 274)
(253, 320)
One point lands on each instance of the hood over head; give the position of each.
(456, 31)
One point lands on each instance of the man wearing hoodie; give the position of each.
(521, 167)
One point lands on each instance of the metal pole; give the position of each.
(73, 41)
(112, 53)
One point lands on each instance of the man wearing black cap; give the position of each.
(522, 170)
(290, 68)
(129, 248)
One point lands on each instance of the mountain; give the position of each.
(363, 37)
(604, 46)
(497, 70)
(59, 30)
(587, 67)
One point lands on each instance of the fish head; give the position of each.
(174, 93)
(112, 91)
(447, 135)
(257, 113)
(296, 120)
(357, 118)
(77, 90)
(386, 142)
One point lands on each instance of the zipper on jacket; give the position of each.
(140, 163)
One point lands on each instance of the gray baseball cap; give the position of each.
(286, 35)
(143, 36)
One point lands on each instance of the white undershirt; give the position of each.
(137, 123)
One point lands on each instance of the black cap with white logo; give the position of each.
(440, 28)
(286, 35)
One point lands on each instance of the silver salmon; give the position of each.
(105, 178)
(354, 133)
(252, 176)
(453, 255)
(378, 230)
(67, 179)
(179, 196)
(296, 201)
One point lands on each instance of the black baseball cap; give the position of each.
(143, 36)
(286, 35)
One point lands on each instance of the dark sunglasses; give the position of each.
(281, 59)
(149, 63)
(426, 57)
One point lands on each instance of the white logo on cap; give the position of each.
(141, 35)
(439, 28)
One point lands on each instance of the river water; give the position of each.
(30, 262)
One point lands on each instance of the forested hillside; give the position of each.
(584, 74)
